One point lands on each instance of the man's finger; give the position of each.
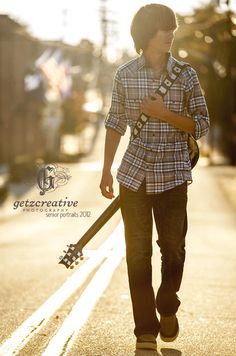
(110, 191)
(107, 192)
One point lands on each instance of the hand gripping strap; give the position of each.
(161, 90)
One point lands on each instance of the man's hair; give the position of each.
(148, 20)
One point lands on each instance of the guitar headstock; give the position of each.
(72, 256)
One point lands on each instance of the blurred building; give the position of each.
(18, 131)
(29, 72)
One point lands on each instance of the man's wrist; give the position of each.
(165, 114)
(106, 170)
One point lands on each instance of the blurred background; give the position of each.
(57, 61)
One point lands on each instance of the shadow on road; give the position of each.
(146, 353)
(170, 352)
(164, 352)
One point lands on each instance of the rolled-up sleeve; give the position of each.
(196, 105)
(116, 118)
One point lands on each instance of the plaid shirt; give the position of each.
(160, 153)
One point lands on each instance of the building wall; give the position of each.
(17, 51)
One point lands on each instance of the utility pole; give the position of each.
(107, 27)
(108, 32)
(104, 26)
(102, 71)
(64, 23)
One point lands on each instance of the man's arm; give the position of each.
(116, 125)
(112, 141)
(197, 120)
(156, 108)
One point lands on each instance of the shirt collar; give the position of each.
(142, 62)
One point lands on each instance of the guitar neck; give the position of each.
(98, 224)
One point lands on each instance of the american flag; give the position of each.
(56, 71)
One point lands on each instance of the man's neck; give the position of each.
(156, 60)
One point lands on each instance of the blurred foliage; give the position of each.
(75, 117)
(207, 40)
(86, 54)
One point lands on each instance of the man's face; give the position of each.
(161, 42)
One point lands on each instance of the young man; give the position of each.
(155, 169)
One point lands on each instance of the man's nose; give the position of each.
(170, 35)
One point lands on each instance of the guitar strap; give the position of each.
(166, 84)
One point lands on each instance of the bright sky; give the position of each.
(45, 19)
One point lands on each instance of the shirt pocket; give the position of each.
(175, 100)
(176, 106)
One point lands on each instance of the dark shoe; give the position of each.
(169, 328)
(146, 341)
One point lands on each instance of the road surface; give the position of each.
(48, 310)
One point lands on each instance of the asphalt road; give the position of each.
(90, 314)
